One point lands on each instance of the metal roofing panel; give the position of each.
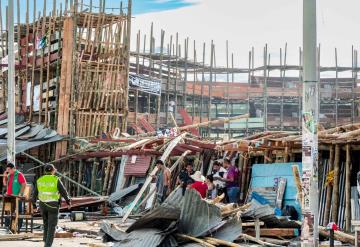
(117, 195)
(160, 218)
(230, 231)
(197, 216)
(144, 237)
(137, 165)
(22, 146)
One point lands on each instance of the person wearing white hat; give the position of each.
(199, 184)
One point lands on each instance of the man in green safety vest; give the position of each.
(49, 190)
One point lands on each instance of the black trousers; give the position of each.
(50, 217)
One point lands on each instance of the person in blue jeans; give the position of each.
(232, 181)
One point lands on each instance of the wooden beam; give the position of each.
(197, 240)
(297, 178)
(335, 199)
(65, 86)
(164, 157)
(348, 189)
(329, 188)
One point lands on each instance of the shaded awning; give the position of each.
(137, 165)
(27, 136)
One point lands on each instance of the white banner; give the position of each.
(145, 84)
(36, 99)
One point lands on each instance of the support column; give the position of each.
(310, 116)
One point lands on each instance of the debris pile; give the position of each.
(176, 222)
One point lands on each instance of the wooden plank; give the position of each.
(65, 85)
(250, 238)
(275, 232)
(297, 178)
(335, 197)
(164, 157)
(329, 188)
(280, 193)
(348, 189)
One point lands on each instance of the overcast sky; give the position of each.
(247, 23)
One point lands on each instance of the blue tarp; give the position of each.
(265, 175)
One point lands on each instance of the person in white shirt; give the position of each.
(219, 172)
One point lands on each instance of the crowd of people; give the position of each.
(223, 179)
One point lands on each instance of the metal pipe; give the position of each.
(11, 86)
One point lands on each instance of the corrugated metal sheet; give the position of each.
(22, 146)
(116, 196)
(160, 218)
(197, 216)
(230, 231)
(137, 165)
(169, 241)
(145, 237)
(175, 199)
(27, 137)
(192, 245)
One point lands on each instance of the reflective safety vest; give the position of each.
(47, 187)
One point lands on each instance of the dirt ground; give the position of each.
(59, 242)
(85, 227)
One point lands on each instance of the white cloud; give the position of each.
(247, 23)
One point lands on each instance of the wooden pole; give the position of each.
(164, 157)
(296, 174)
(197, 240)
(329, 189)
(348, 190)
(203, 124)
(210, 84)
(335, 201)
(243, 176)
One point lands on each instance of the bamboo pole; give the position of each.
(243, 176)
(221, 242)
(164, 156)
(348, 189)
(197, 240)
(248, 237)
(198, 125)
(335, 199)
(329, 188)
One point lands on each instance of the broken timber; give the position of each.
(192, 126)
(165, 155)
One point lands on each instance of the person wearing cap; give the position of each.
(49, 190)
(163, 179)
(199, 184)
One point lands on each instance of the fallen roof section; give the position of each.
(197, 216)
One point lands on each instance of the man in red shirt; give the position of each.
(199, 184)
(16, 184)
(16, 181)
